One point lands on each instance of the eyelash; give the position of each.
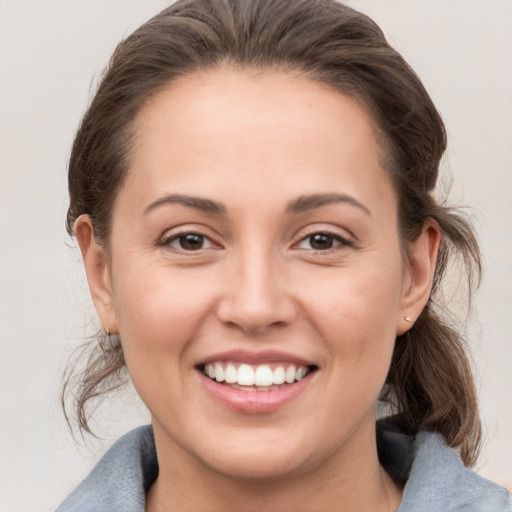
(177, 237)
(180, 237)
(336, 237)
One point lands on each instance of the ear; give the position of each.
(98, 273)
(419, 275)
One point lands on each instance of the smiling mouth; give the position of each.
(262, 377)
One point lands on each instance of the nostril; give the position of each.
(254, 305)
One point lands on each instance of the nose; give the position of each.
(256, 295)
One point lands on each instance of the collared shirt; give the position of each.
(435, 478)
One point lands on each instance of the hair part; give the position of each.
(430, 383)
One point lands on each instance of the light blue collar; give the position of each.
(436, 479)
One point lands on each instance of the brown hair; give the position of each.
(430, 384)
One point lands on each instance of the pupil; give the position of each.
(320, 241)
(191, 242)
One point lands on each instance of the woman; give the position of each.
(252, 193)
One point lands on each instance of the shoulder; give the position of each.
(119, 481)
(438, 481)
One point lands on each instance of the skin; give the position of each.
(254, 143)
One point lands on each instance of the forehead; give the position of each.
(269, 129)
(247, 100)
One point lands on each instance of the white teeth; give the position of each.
(260, 377)
(263, 376)
(290, 374)
(245, 375)
(231, 375)
(300, 373)
(279, 375)
(219, 372)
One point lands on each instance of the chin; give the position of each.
(262, 467)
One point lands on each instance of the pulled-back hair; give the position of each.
(430, 384)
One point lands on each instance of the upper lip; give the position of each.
(262, 357)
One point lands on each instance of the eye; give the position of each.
(189, 242)
(322, 241)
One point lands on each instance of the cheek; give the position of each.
(151, 297)
(157, 318)
(158, 313)
(365, 297)
(355, 313)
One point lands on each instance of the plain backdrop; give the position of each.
(49, 52)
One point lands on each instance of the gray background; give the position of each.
(49, 50)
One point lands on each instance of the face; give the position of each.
(255, 274)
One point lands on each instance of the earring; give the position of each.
(107, 332)
(408, 319)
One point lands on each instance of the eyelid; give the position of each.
(344, 241)
(181, 231)
(175, 238)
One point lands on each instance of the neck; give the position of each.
(350, 482)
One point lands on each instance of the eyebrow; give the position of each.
(309, 202)
(198, 203)
(301, 204)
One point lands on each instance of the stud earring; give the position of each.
(408, 319)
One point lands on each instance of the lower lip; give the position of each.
(254, 402)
